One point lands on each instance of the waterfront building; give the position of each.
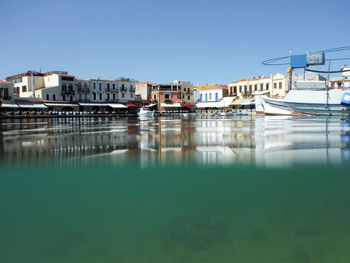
(170, 96)
(6, 90)
(61, 86)
(26, 83)
(144, 90)
(342, 81)
(103, 90)
(186, 92)
(277, 85)
(210, 93)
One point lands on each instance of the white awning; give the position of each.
(151, 105)
(49, 104)
(32, 106)
(170, 105)
(243, 102)
(9, 105)
(94, 104)
(117, 106)
(225, 102)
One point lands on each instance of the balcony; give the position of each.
(83, 90)
(68, 92)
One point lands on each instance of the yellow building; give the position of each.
(276, 85)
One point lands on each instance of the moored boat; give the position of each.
(145, 112)
(334, 101)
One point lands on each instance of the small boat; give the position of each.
(145, 112)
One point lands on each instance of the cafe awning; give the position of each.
(93, 104)
(9, 105)
(170, 105)
(133, 106)
(117, 106)
(32, 106)
(243, 102)
(49, 104)
(225, 102)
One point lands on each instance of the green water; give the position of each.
(175, 214)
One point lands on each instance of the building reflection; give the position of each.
(243, 140)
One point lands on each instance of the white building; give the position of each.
(144, 90)
(60, 86)
(210, 93)
(6, 90)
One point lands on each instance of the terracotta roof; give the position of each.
(81, 79)
(5, 82)
(28, 73)
(249, 79)
(211, 86)
(146, 82)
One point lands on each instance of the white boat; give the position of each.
(335, 101)
(145, 112)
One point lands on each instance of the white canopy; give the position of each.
(49, 104)
(94, 104)
(170, 105)
(225, 102)
(32, 106)
(243, 102)
(9, 105)
(117, 106)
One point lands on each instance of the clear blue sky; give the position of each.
(159, 41)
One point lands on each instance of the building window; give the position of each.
(206, 97)
(209, 96)
(107, 95)
(250, 89)
(71, 98)
(107, 85)
(166, 96)
(123, 95)
(216, 96)
(201, 97)
(188, 97)
(94, 85)
(183, 96)
(63, 97)
(24, 88)
(94, 94)
(245, 89)
(261, 87)
(100, 96)
(131, 95)
(280, 85)
(113, 96)
(47, 96)
(240, 89)
(53, 96)
(256, 87)
(184, 89)
(267, 86)
(100, 86)
(155, 96)
(113, 85)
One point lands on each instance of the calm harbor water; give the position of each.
(246, 189)
(262, 141)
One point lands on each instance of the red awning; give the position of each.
(133, 106)
(188, 105)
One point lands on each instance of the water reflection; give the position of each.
(265, 141)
